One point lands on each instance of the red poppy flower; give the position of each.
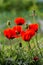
(28, 34)
(34, 27)
(35, 58)
(9, 33)
(17, 30)
(31, 31)
(19, 21)
(13, 34)
(22, 32)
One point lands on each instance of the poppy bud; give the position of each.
(36, 58)
(8, 23)
(20, 44)
(26, 26)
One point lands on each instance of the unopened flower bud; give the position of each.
(36, 58)
(26, 26)
(20, 44)
(8, 23)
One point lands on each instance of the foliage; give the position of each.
(17, 55)
(18, 5)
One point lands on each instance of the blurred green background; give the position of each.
(10, 9)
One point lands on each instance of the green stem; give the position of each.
(38, 45)
(3, 46)
(11, 45)
(29, 47)
(32, 51)
(35, 47)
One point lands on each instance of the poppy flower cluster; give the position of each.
(17, 30)
(30, 32)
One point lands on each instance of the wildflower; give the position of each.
(9, 33)
(34, 27)
(19, 21)
(17, 30)
(22, 32)
(31, 31)
(28, 34)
